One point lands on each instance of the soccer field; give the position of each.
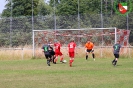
(84, 74)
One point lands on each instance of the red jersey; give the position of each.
(57, 47)
(71, 46)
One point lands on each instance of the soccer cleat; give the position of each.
(113, 63)
(70, 64)
(48, 62)
(94, 59)
(54, 62)
(62, 61)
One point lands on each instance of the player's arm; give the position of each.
(51, 46)
(120, 49)
(42, 49)
(85, 47)
(92, 47)
(75, 49)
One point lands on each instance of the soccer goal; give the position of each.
(101, 37)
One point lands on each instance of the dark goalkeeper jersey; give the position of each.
(116, 48)
(46, 49)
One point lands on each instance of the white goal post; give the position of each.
(80, 35)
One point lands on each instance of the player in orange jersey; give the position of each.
(89, 49)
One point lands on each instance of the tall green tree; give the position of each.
(24, 8)
(53, 3)
(44, 8)
(70, 7)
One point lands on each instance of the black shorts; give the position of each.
(52, 52)
(48, 56)
(89, 50)
(116, 55)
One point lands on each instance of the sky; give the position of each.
(2, 4)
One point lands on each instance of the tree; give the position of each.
(24, 8)
(44, 8)
(70, 7)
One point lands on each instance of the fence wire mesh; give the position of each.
(17, 31)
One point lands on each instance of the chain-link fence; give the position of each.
(17, 32)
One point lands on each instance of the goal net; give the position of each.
(101, 37)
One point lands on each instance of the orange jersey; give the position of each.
(89, 45)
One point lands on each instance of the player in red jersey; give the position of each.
(71, 51)
(57, 46)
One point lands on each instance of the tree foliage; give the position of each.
(66, 16)
(24, 8)
(71, 7)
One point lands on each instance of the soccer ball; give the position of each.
(64, 61)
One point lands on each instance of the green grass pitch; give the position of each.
(84, 74)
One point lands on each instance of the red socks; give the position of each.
(70, 62)
(61, 59)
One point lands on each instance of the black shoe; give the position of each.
(113, 62)
(54, 62)
(48, 62)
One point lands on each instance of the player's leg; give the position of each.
(61, 56)
(116, 59)
(55, 60)
(52, 56)
(70, 60)
(93, 55)
(56, 57)
(114, 62)
(71, 55)
(48, 59)
(87, 51)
